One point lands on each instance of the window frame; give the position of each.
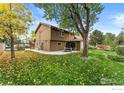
(59, 43)
(61, 33)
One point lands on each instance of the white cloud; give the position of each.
(119, 19)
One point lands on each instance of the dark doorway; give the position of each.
(70, 45)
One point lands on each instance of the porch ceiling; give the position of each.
(75, 40)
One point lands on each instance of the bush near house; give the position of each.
(91, 47)
(116, 58)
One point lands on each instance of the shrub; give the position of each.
(116, 58)
(120, 50)
(91, 47)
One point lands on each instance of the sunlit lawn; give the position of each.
(31, 68)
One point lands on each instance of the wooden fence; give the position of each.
(2, 48)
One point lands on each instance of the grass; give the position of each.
(31, 68)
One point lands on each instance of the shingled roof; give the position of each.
(51, 27)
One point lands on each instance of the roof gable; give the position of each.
(54, 27)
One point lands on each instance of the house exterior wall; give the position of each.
(55, 36)
(43, 38)
(81, 45)
(55, 47)
(47, 38)
(66, 37)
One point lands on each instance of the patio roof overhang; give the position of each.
(76, 40)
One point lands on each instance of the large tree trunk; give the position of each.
(85, 47)
(12, 48)
(11, 37)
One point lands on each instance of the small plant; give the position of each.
(120, 50)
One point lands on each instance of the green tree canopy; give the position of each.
(96, 37)
(109, 38)
(33, 36)
(120, 38)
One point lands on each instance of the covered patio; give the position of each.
(73, 44)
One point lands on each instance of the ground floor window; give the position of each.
(59, 43)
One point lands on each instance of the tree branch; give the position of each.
(87, 16)
(76, 24)
(77, 16)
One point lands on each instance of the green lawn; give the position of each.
(31, 68)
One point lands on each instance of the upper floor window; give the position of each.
(61, 33)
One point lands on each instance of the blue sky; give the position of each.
(111, 18)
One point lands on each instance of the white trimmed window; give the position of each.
(61, 33)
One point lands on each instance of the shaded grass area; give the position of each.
(31, 68)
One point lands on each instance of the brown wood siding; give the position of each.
(47, 38)
(66, 37)
(55, 47)
(78, 45)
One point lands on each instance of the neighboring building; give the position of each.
(51, 38)
(103, 47)
(32, 44)
(2, 47)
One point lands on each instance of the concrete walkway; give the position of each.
(52, 52)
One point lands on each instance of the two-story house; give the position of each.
(51, 38)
